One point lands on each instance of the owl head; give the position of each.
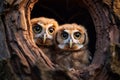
(71, 37)
(43, 30)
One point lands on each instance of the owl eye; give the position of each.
(37, 28)
(51, 29)
(77, 35)
(64, 35)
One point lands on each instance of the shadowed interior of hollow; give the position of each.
(67, 11)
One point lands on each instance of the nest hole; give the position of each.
(67, 11)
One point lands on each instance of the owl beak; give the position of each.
(71, 43)
(44, 39)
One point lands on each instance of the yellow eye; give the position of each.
(77, 35)
(51, 30)
(64, 35)
(37, 29)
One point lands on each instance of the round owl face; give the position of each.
(43, 29)
(71, 37)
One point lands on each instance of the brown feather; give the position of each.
(67, 57)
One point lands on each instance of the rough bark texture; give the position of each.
(21, 59)
(20, 50)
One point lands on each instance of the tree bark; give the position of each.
(20, 50)
(21, 59)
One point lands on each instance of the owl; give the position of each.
(43, 30)
(71, 42)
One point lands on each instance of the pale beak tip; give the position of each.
(71, 43)
(44, 40)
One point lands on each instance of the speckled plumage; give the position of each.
(43, 30)
(71, 47)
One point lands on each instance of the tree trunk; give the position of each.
(21, 59)
(25, 59)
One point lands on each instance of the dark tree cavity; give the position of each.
(21, 59)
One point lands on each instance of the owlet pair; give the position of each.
(65, 45)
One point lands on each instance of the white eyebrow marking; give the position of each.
(49, 25)
(67, 31)
(75, 31)
(40, 23)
